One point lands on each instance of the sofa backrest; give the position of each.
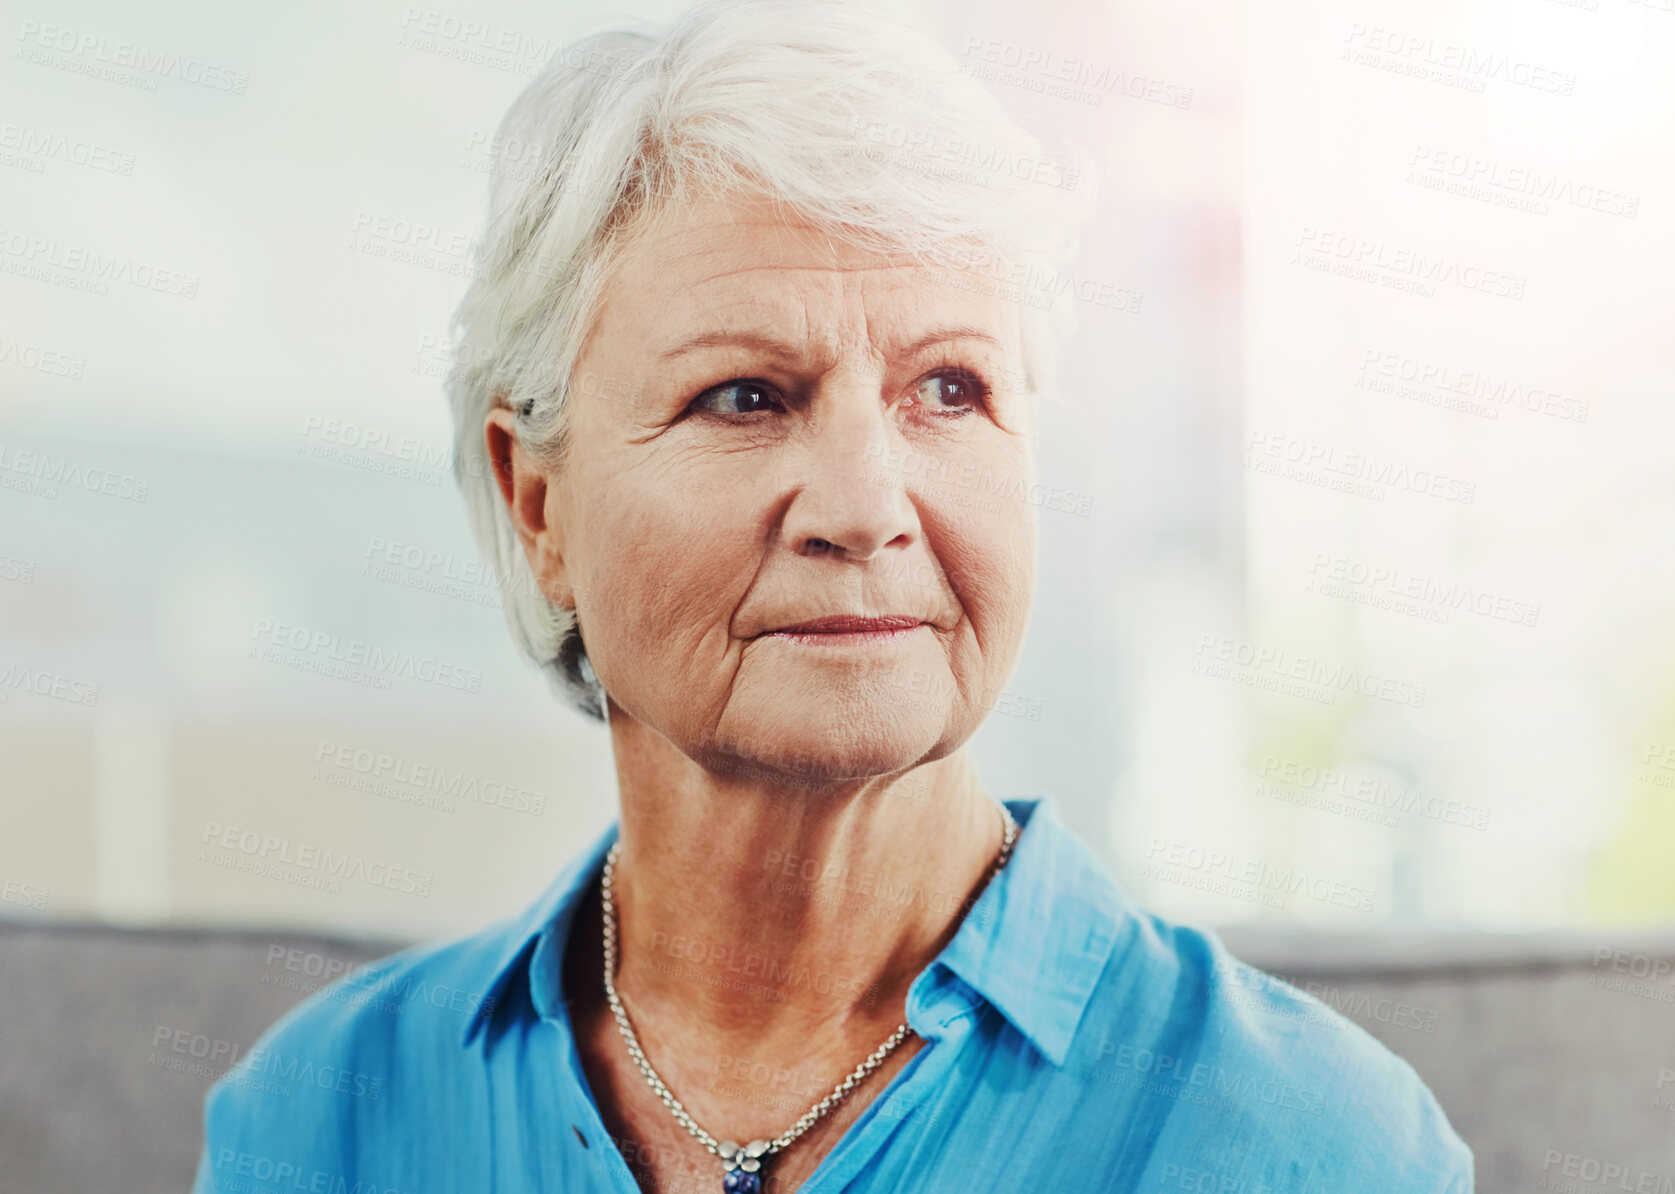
(1557, 1065)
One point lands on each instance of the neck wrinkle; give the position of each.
(751, 913)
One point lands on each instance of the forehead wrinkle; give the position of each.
(790, 309)
(793, 287)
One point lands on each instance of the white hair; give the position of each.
(847, 119)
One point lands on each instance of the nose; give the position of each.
(853, 501)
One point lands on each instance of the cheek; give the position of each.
(663, 571)
(990, 561)
(986, 544)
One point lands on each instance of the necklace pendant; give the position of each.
(744, 1166)
(740, 1181)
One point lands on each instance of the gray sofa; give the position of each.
(1555, 1059)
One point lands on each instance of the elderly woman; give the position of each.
(763, 305)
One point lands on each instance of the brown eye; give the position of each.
(737, 398)
(949, 391)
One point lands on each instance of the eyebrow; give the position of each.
(772, 344)
(754, 340)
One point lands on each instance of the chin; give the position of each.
(818, 738)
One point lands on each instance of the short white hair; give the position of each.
(846, 118)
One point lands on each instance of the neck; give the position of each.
(752, 910)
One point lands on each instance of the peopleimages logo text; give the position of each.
(132, 56)
(272, 850)
(358, 653)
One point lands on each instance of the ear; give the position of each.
(534, 499)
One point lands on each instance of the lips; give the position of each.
(849, 624)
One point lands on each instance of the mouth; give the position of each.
(846, 628)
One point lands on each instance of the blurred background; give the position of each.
(1356, 639)
(1369, 579)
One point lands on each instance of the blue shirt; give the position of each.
(1073, 1042)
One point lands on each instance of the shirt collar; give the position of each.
(1033, 944)
(511, 946)
(1039, 936)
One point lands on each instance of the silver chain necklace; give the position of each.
(744, 1162)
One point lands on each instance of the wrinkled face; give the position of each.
(768, 430)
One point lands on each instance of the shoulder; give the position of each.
(381, 1045)
(363, 1070)
(1266, 1083)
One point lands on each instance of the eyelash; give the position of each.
(979, 388)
